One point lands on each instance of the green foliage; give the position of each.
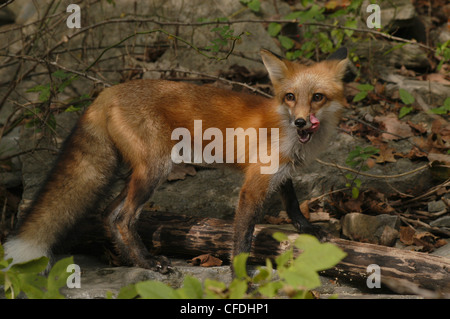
(226, 35)
(364, 90)
(36, 116)
(442, 110)
(357, 158)
(407, 99)
(359, 155)
(60, 80)
(443, 54)
(296, 276)
(27, 278)
(253, 5)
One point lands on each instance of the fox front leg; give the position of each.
(292, 207)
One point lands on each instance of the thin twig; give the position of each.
(214, 77)
(281, 21)
(431, 191)
(372, 175)
(6, 158)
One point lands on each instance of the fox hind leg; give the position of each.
(120, 219)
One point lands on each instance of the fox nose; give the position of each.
(300, 122)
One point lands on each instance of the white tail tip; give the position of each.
(21, 250)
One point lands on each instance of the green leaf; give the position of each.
(352, 23)
(365, 87)
(34, 266)
(253, 5)
(360, 96)
(286, 42)
(270, 289)
(355, 192)
(12, 285)
(57, 277)
(444, 109)
(33, 285)
(279, 236)
(214, 289)
(301, 278)
(153, 289)
(44, 90)
(349, 176)
(264, 273)
(192, 288)
(238, 289)
(316, 256)
(240, 265)
(405, 110)
(72, 109)
(127, 292)
(406, 97)
(60, 74)
(274, 29)
(283, 259)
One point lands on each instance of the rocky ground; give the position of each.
(403, 198)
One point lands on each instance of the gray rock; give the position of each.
(380, 229)
(97, 279)
(441, 222)
(443, 251)
(436, 206)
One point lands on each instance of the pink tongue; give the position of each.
(315, 122)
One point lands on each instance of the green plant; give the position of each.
(27, 277)
(357, 159)
(253, 5)
(294, 276)
(364, 90)
(443, 53)
(226, 34)
(442, 110)
(407, 99)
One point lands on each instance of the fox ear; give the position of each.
(275, 66)
(339, 54)
(338, 60)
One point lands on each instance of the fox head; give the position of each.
(307, 93)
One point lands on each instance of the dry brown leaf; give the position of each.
(425, 239)
(393, 125)
(386, 154)
(441, 133)
(415, 153)
(281, 219)
(353, 205)
(180, 171)
(407, 235)
(206, 260)
(436, 77)
(304, 208)
(441, 158)
(419, 127)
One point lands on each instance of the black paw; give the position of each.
(317, 231)
(163, 264)
(160, 264)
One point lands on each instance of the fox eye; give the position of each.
(289, 97)
(317, 97)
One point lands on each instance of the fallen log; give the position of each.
(187, 237)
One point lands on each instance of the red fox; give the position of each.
(134, 122)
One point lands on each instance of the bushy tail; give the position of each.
(84, 169)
